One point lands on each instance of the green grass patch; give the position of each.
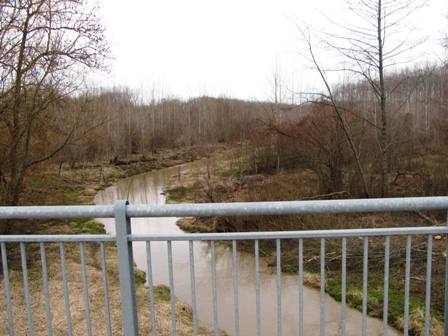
(73, 193)
(86, 226)
(375, 292)
(162, 293)
(140, 277)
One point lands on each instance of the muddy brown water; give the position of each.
(148, 189)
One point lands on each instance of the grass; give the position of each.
(396, 300)
(162, 293)
(226, 172)
(73, 193)
(86, 226)
(140, 277)
(375, 293)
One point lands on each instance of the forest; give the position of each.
(98, 127)
(358, 135)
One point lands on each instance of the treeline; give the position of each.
(116, 123)
(418, 131)
(417, 100)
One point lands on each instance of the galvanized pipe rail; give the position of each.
(230, 209)
(122, 212)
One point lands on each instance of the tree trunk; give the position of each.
(384, 138)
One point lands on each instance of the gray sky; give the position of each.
(206, 47)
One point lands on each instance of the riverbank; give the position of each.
(79, 186)
(220, 182)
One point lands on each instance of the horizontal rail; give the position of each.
(289, 208)
(230, 209)
(379, 232)
(56, 238)
(57, 212)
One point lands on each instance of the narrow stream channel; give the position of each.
(148, 188)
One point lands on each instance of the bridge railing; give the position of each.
(124, 239)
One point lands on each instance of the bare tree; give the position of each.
(376, 42)
(44, 46)
(339, 111)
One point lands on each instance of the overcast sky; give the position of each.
(206, 47)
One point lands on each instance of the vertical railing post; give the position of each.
(446, 284)
(126, 269)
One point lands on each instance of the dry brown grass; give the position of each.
(77, 306)
(417, 324)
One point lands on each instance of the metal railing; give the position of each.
(122, 212)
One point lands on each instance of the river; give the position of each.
(148, 189)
